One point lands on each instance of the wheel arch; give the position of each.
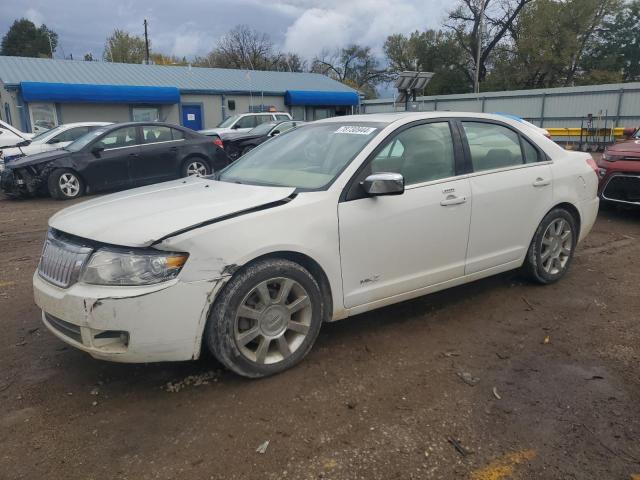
(573, 211)
(314, 268)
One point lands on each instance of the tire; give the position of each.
(195, 166)
(254, 345)
(551, 253)
(65, 184)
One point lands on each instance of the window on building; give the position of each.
(145, 114)
(43, 117)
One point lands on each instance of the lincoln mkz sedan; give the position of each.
(328, 220)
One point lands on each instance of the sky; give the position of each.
(192, 27)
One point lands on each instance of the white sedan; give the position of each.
(57, 137)
(328, 220)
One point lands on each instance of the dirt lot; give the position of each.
(379, 397)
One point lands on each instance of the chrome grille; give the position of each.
(62, 261)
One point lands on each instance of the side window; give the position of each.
(492, 146)
(531, 154)
(122, 137)
(282, 117)
(246, 122)
(156, 133)
(177, 134)
(283, 127)
(70, 135)
(260, 119)
(421, 154)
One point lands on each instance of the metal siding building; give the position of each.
(551, 107)
(37, 91)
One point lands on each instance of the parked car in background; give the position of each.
(237, 144)
(619, 171)
(56, 138)
(336, 218)
(11, 136)
(114, 156)
(245, 122)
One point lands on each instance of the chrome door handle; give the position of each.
(541, 182)
(452, 200)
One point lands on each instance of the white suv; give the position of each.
(245, 122)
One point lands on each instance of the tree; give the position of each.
(160, 59)
(497, 19)
(616, 47)
(24, 39)
(122, 47)
(548, 44)
(430, 51)
(355, 66)
(88, 57)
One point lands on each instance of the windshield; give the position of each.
(84, 140)
(261, 129)
(53, 131)
(309, 157)
(228, 122)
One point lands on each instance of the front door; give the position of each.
(192, 117)
(512, 190)
(391, 245)
(109, 168)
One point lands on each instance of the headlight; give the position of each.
(611, 158)
(128, 267)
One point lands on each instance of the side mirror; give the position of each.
(97, 150)
(275, 132)
(236, 126)
(24, 143)
(383, 183)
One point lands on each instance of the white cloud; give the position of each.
(35, 16)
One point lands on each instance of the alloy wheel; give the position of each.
(272, 320)
(69, 184)
(557, 243)
(196, 168)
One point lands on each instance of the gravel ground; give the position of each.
(381, 396)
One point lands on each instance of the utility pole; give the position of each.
(146, 43)
(476, 83)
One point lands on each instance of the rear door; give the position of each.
(158, 154)
(110, 167)
(511, 186)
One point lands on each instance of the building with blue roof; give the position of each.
(38, 93)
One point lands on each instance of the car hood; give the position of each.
(37, 158)
(140, 217)
(628, 148)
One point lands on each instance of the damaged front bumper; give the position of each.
(156, 323)
(23, 181)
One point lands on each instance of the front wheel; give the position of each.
(266, 319)
(552, 248)
(65, 184)
(195, 166)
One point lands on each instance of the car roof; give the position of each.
(85, 124)
(388, 118)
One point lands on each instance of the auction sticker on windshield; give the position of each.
(355, 130)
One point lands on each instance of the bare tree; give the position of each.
(495, 19)
(355, 66)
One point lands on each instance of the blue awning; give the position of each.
(88, 93)
(306, 97)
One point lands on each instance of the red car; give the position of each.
(619, 170)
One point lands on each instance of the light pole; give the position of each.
(476, 84)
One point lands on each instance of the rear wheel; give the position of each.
(552, 248)
(266, 319)
(195, 167)
(65, 184)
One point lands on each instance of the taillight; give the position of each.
(218, 142)
(592, 163)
